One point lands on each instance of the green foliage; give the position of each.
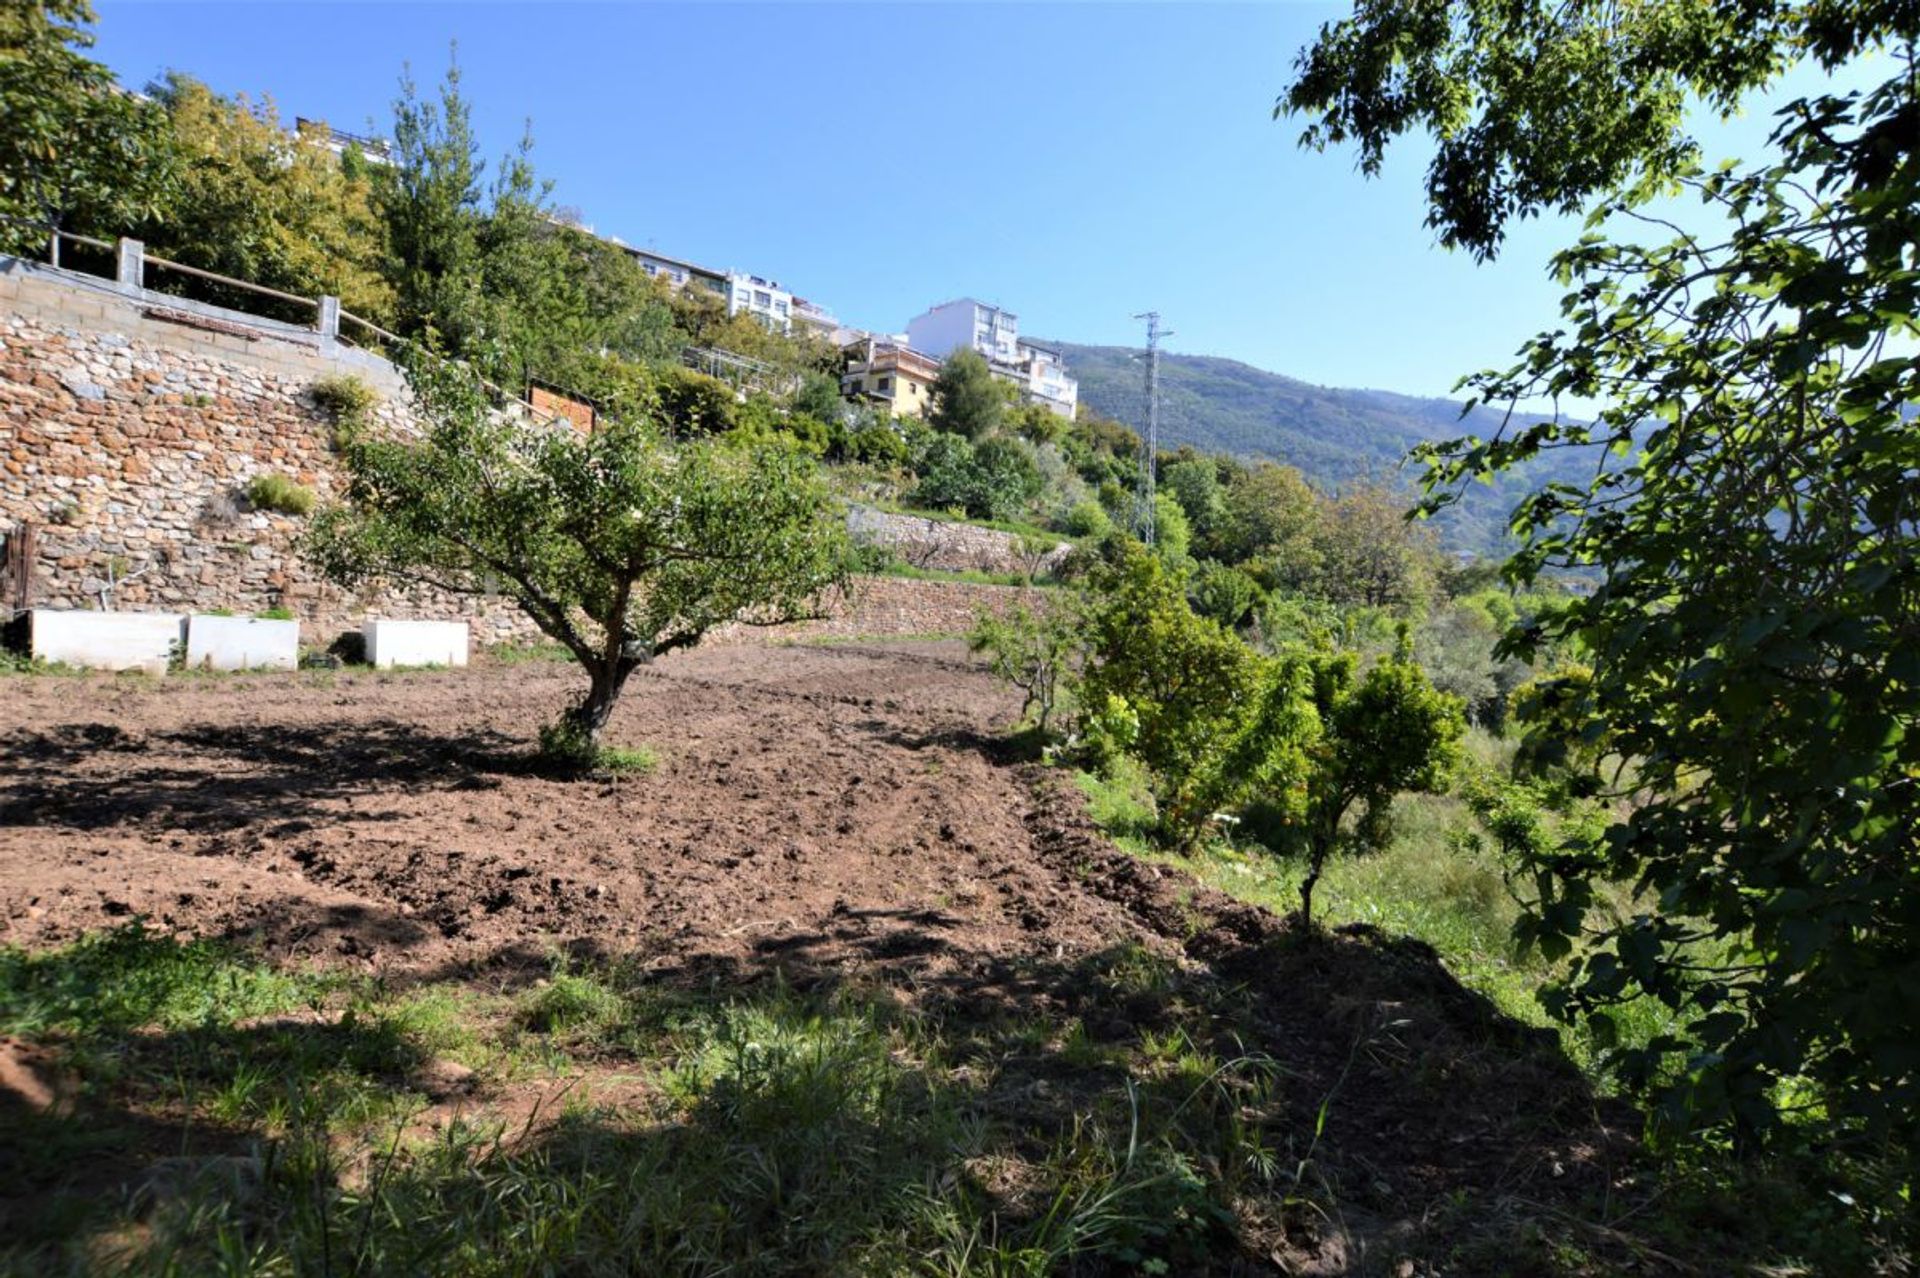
(267, 206)
(694, 405)
(1367, 553)
(616, 543)
(1381, 734)
(1751, 639)
(1088, 520)
(877, 445)
(966, 399)
(1545, 108)
(1195, 485)
(75, 153)
(276, 492)
(1172, 537)
(995, 480)
(818, 397)
(344, 398)
(1227, 595)
(1184, 678)
(1033, 649)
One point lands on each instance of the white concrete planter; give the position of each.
(106, 640)
(241, 643)
(416, 643)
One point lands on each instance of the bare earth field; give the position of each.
(818, 815)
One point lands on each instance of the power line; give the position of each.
(1150, 443)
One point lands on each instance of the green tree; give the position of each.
(1034, 649)
(1380, 735)
(268, 206)
(1186, 678)
(1367, 553)
(76, 152)
(430, 195)
(618, 544)
(966, 399)
(1195, 484)
(1272, 514)
(1753, 638)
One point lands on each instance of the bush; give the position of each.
(1185, 678)
(269, 491)
(1087, 519)
(343, 397)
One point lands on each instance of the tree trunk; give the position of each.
(1315, 861)
(607, 679)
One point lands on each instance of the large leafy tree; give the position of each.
(966, 399)
(76, 151)
(618, 544)
(1753, 638)
(268, 206)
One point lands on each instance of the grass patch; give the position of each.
(276, 492)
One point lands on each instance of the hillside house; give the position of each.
(994, 332)
(890, 375)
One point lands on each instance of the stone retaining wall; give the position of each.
(131, 423)
(951, 547)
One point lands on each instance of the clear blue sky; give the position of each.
(1074, 163)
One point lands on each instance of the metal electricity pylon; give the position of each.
(1150, 442)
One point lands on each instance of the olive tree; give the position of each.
(619, 544)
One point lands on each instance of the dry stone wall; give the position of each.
(951, 547)
(131, 424)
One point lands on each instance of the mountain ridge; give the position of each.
(1333, 435)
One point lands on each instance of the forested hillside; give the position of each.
(1332, 434)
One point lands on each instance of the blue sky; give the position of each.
(1075, 163)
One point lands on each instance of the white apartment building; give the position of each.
(995, 333)
(763, 299)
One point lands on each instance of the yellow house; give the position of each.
(887, 373)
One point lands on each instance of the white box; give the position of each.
(416, 643)
(106, 640)
(241, 643)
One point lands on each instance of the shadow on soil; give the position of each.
(240, 775)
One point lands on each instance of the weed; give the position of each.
(272, 491)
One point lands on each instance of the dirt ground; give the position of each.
(816, 812)
(826, 802)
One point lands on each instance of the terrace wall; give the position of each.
(132, 421)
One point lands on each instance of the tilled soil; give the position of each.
(814, 803)
(816, 813)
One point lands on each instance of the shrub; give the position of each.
(1186, 679)
(344, 397)
(1032, 650)
(270, 491)
(1087, 519)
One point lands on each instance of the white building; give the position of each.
(763, 299)
(1037, 370)
(1048, 382)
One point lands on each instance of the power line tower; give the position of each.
(1150, 444)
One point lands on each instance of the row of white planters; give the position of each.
(148, 640)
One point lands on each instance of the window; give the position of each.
(886, 383)
(762, 299)
(781, 307)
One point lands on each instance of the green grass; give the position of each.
(765, 1131)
